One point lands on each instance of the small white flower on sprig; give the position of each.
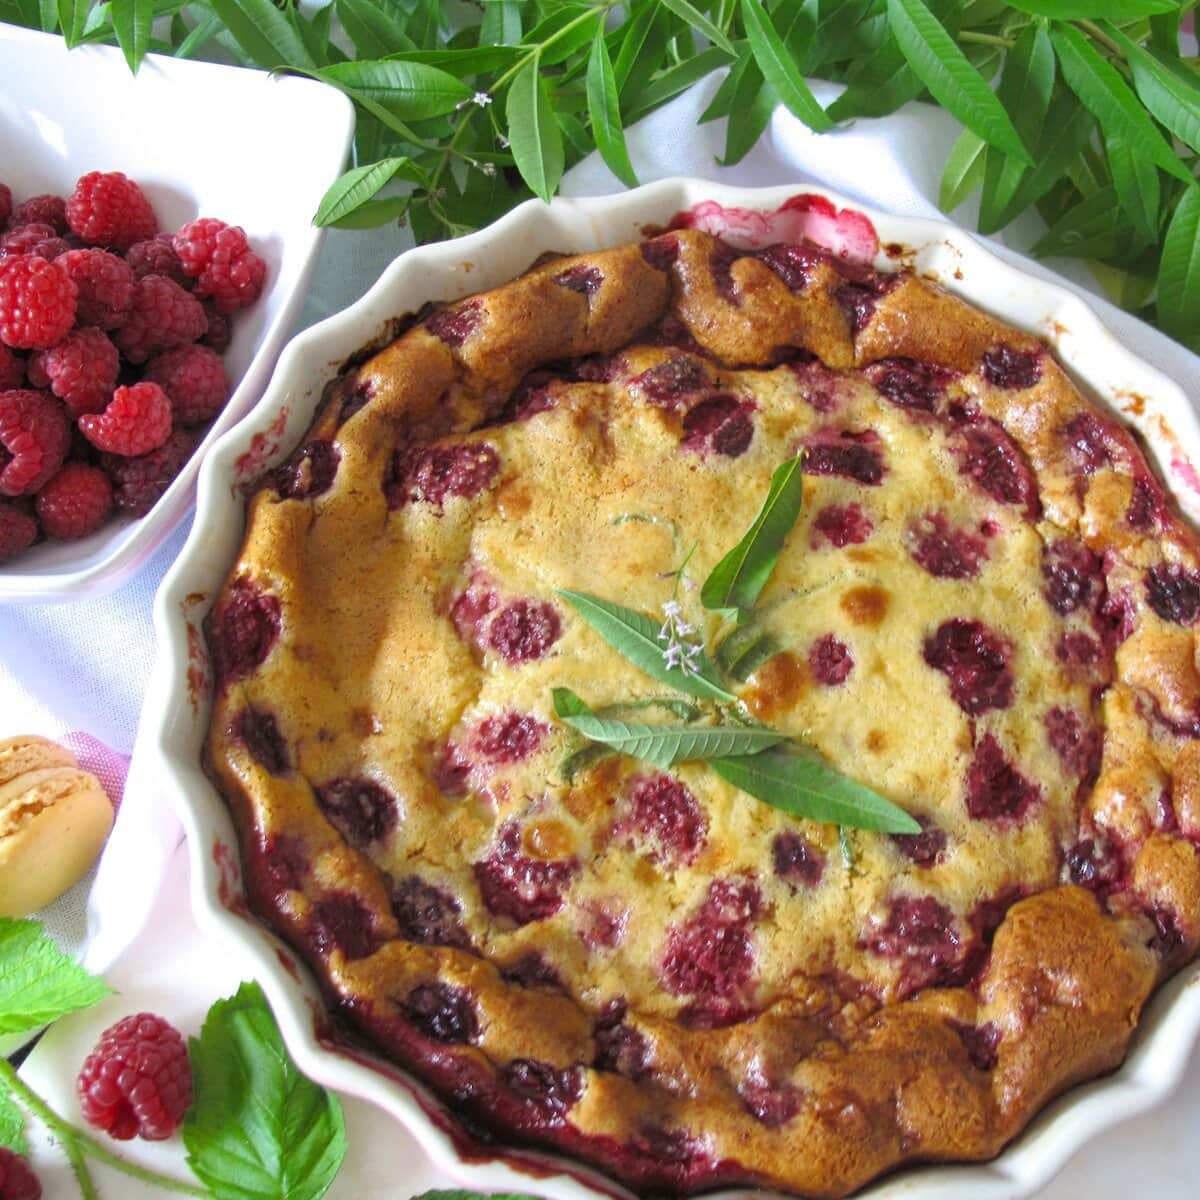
(480, 98)
(679, 654)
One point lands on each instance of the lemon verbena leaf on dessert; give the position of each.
(745, 650)
(636, 636)
(665, 745)
(734, 585)
(38, 982)
(568, 704)
(797, 781)
(12, 1125)
(282, 1136)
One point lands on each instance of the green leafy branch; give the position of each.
(765, 763)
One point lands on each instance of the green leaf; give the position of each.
(357, 186)
(963, 171)
(501, 24)
(72, 18)
(373, 30)
(605, 112)
(373, 213)
(677, 79)
(753, 105)
(800, 783)
(938, 62)
(38, 982)
(1090, 229)
(1173, 98)
(677, 708)
(662, 745)
(779, 69)
(636, 637)
(734, 585)
(264, 33)
(1102, 90)
(411, 91)
(722, 102)
(636, 32)
(1179, 272)
(204, 32)
(1081, 10)
(12, 1124)
(132, 20)
(257, 1127)
(745, 650)
(533, 132)
(699, 22)
(1136, 181)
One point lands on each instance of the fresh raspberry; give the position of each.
(17, 1180)
(32, 239)
(37, 302)
(136, 421)
(75, 502)
(156, 256)
(108, 209)
(6, 204)
(18, 530)
(41, 210)
(220, 330)
(12, 369)
(34, 437)
(139, 482)
(137, 1080)
(81, 370)
(219, 258)
(195, 382)
(105, 285)
(162, 317)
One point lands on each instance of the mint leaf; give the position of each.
(734, 585)
(533, 132)
(257, 1127)
(1179, 274)
(636, 637)
(132, 20)
(38, 982)
(946, 71)
(357, 186)
(779, 67)
(12, 1124)
(604, 111)
(800, 783)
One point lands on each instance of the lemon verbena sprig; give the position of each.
(765, 763)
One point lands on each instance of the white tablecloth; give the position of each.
(79, 671)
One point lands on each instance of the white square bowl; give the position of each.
(178, 699)
(203, 140)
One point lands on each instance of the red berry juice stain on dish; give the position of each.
(797, 862)
(427, 914)
(524, 630)
(360, 809)
(989, 457)
(1173, 592)
(441, 1012)
(307, 473)
(841, 525)
(454, 325)
(663, 819)
(549, 1089)
(264, 445)
(342, 922)
(1077, 743)
(1013, 370)
(581, 278)
(1072, 574)
(926, 848)
(849, 454)
(430, 474)
(921, 933)
(719, 424)
(995, 789)
(199, 678)
(944, 551)
(910, 384)
(229, 878)
(830, 661)
(710, 956)
(244, 630)
(976, 662)
(259, 733)
(519, 887)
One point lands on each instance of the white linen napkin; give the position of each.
(83, 667)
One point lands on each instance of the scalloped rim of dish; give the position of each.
(447, 271)
(111, 555)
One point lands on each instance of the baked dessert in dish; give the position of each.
(985, 612)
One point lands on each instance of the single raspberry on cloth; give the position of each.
(195, 382)
(12, 369)
(156, 256)
(41, 210)
(34, 437)
(81, 370)
(136, 421)
(137, 1081)
(74, 502)
(109, 209)
(138, 482)
(32, 239)
(37, 302)
(18, 529)
(17, 1180)
(105, 285)
(161, 317)
(219, 258)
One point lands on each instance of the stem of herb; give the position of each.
(77, 1145)
(1098, 35)
(986, 39)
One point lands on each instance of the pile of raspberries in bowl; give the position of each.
(111, 336)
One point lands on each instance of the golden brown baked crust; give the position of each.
(988, 613)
